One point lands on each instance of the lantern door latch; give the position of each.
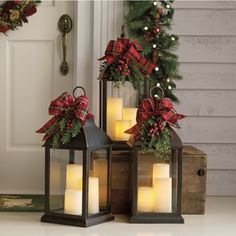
(65, 26)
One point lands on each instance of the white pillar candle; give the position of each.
(73, 202)
(114, 112)
(74, 177)
(163, 195)
(130, 114)
(120, 127)
(145, 199)
(93, 196)
(161, 170)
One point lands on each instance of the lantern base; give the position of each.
(120, 145)
(162, 219)
(76, 221)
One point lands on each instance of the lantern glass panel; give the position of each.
(98, 182)
(117, 110)
(157, 182)
(66, 171)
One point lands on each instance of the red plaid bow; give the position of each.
(66, 103)
(162, 110)
(130, 50)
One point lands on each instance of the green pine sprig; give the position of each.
(159, 144)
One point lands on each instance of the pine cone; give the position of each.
(154, 56)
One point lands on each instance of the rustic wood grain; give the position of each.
(194, 185)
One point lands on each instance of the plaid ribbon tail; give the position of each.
(45, 127)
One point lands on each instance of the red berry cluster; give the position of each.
(69, 124)
(156, 129)
(123, 65)
(149, 35)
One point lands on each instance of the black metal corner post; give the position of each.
(47, 180)
(135, 182)
(85, 183)
(174, 175)
(100, 104)
(180, 173)
(109, 179)
(71, 156)
(103, 105)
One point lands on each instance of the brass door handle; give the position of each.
(65, 26)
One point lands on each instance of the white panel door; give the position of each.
(29, 79)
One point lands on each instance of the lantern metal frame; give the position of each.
(91, 138)
(153, 217)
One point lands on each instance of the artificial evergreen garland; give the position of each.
(148, 22)
(14, 13)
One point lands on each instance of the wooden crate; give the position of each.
(194, 181)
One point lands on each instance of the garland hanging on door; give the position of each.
(14, 13)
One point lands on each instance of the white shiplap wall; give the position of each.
(207, 56)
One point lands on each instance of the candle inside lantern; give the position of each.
(114, 112)
(74, 177)
(93, 196)
(130, 114)
(145, 199)
(163, 195)
(161, 170)
(120, 127)
(73, 202)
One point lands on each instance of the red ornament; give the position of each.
(156, 30)
(28, 11)
(4, 28)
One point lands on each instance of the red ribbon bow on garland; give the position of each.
(65, 106)
(131, 50)
(161, 110)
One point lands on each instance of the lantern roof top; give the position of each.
(89, 137)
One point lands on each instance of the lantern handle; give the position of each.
(78, 87)
(157, 86)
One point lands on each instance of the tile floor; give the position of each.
(219, 220)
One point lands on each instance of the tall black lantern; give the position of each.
(156, 184)
(123, 73)
(77, 191)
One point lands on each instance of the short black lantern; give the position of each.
(77, 192)
(156, 163)
(156, 185)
